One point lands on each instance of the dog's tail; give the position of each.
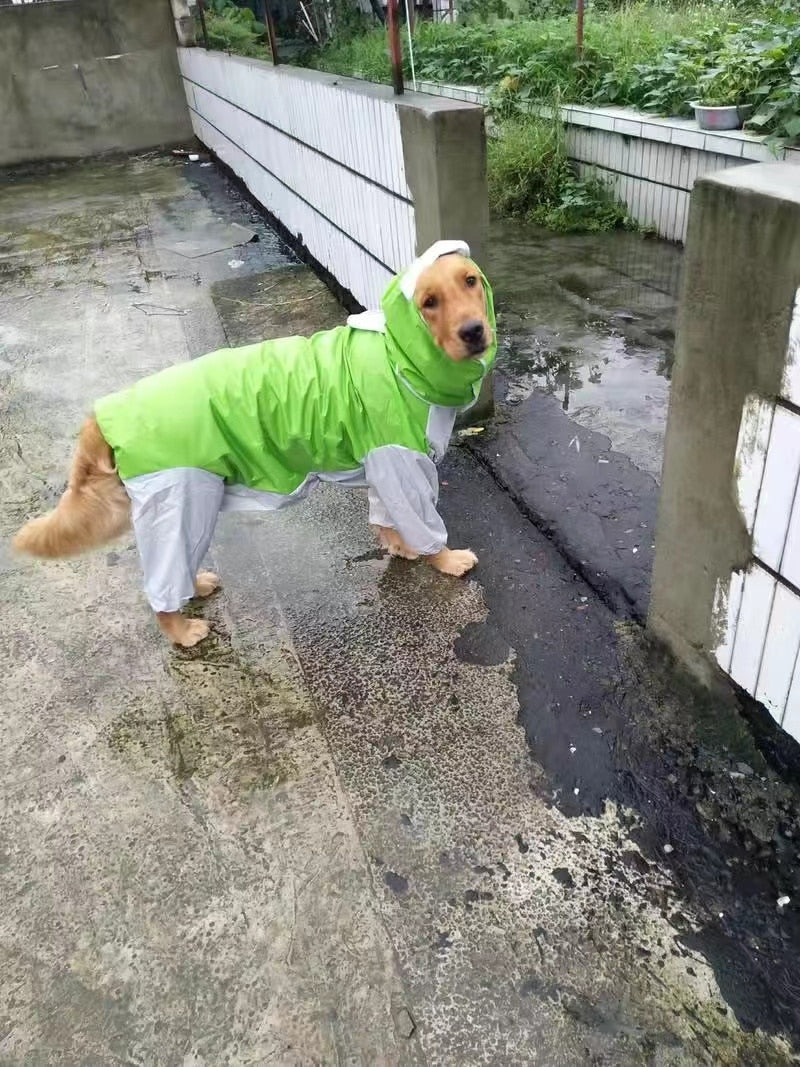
(94, 509)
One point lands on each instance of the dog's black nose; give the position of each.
(472, 333)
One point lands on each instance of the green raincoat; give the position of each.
(368, 404)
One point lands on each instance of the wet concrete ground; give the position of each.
(590, 320)
(582, 393)
(382, 816)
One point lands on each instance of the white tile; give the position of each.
(674, 157)
(790, 561)
(602, 121)
(635, 155)
(653, 131)
(757, 152)
(687, 138)
(727, 602)
(751, 629)
(780, 652)
(628, 127)
(751, 454)
(791, 374)
(725, 146)
(777, 488)
(578, 116)
(791, 715)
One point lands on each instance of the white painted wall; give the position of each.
(759, 608)
(649, 162)
(323, 155)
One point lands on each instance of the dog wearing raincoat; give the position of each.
(371, 405)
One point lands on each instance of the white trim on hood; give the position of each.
(408, 282)
(375, 321)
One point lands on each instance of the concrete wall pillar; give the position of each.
(444, 151)
(184, 23)
(732, 375)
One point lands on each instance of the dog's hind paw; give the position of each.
(193, 633)
(205, 583)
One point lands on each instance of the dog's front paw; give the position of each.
(454, 561)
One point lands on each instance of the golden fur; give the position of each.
(95, 508)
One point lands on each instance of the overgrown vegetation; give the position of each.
(647, 56)
(232, 28)
(754, 64)
(531, 177)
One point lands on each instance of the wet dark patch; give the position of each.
(575, 283)
(391, 762)
(396, 882)
(228, 719)
(645, 737)
(477, 896)
(444, 940)
(503, 870)
(481, 644)
(522, 845)
(367, 557)
(536, 986)
(635, 861)
(563, 877)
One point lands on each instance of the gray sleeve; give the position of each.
(407, 486)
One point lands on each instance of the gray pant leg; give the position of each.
(174, 513)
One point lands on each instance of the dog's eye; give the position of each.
(471, 281)
(429, 303)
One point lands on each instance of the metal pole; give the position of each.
(270, 24)
(411, 44)
(579, 32)
(201, 10)
(394, 47)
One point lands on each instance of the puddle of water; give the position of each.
(589, 319)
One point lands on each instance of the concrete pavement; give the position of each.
(381, 817)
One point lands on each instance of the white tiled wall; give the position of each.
(760, 607)
(325, 159)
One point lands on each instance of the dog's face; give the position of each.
(451, 300)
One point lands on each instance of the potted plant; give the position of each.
(721, 99)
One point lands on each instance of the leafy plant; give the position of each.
(232, 28)
(756, 63)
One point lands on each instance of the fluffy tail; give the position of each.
(94, 509)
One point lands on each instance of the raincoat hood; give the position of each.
(422, 366)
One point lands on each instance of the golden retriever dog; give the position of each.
(170, 452)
